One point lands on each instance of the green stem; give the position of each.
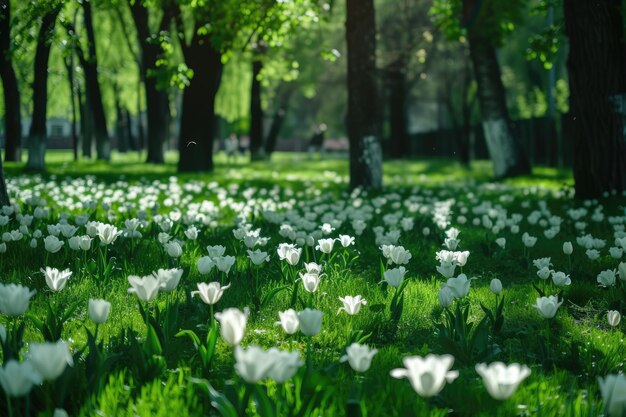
(569, 263)
(9, 405)
(246, 399)
(308, 356)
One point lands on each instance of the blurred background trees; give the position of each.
(517, 82)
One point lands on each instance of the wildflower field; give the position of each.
(269, 289)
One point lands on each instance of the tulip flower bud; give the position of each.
(289, 321)
(59, 412)
(445, 296)
(622, 271)
(99, 310)
(310, 321)
(612, 388)
(17, 378)
(232, 325)
(495, 286)
(568, 248)
(359, 357)
(614, 318)
(50, 359)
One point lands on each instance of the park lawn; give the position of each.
(566, 355)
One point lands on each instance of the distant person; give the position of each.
(316, 143)
(231, 146)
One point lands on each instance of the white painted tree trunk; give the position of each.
(373, 159)
(501, 146)
(36, 153)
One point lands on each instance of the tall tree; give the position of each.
(405, 32)
(596, 67)
(485, 23)
(93, 93)
(256, 110)
(363, 121)
(157, 99)
(198, 121)
(283, 97)
(219, 27)
(38, 132)
(4, 196)
(12, 117)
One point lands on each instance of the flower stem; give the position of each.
(308, 356)
(9, 405)
(246, 399)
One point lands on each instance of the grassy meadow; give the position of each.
(141, 362)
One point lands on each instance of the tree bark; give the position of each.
(256, 113)
(157, 101)
(4, 196)
(363, 123)
(596, 66)
(11, 93)
(92, 85)
(198, 122)
(86, 123)
(69, 66)
(38, 132)
(396, 83)
(506, 154)
(277, 122)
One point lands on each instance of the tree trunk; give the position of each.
(256, 113)
(277, 122)
(506, 154)
(38, 132)
(86, 123)
(120, 123)
(596, 66)
(157, 101)
(12, 116)
(4, 196)
(396, 82)
(198, 122)
(69, 66)
(94, 93)
(363, 122)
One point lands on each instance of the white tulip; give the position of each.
(502, 380)
(359, 357)
(232, 324)
(427, 375)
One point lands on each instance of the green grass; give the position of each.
(584, 347)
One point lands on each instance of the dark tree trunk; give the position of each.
(94, 93)
(120, 123)
(396, 83)
(157, 101)
(198, 122)
(256, 113)
(596, 67)
(12, 116)
(363, 122)
(86, 123)
(506, 154)
(277, 122)
(38, 132)
(4, 196)
(69, 66)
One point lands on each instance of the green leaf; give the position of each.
(267, 297)
(264, 405)
(192, 335)
(218, 400)
(152, 346)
